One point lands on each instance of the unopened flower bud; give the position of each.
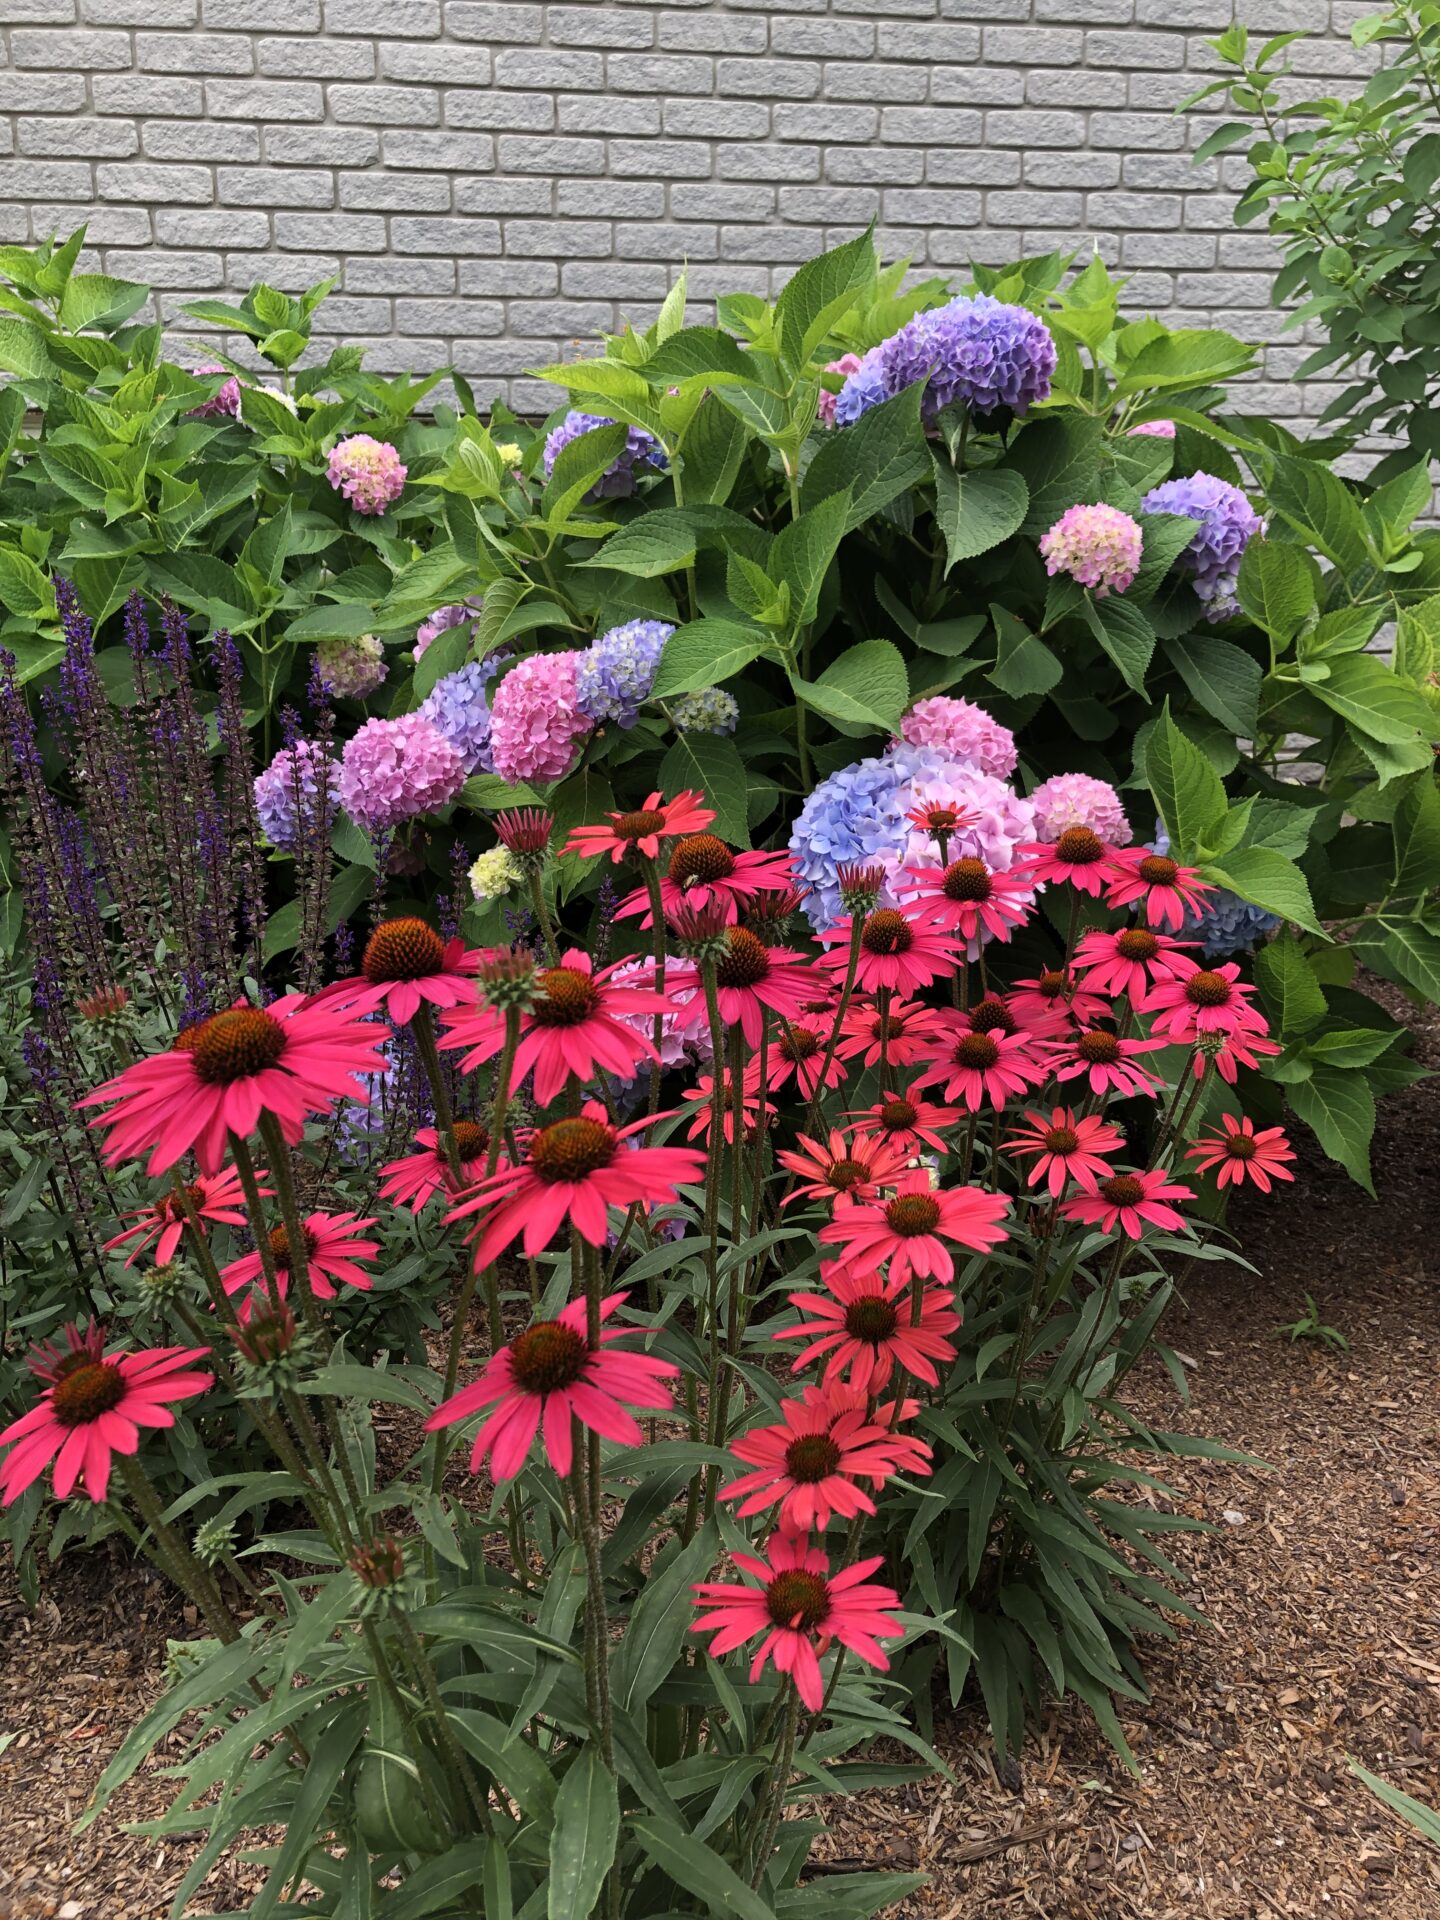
(860, 887)
(213, 1541)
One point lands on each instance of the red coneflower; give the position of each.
(334, 1245)
(938, 817)
(907, 1120)
(574, 1170)
(291, 1059)
(911, 1228)
(406, 965)
(1066, 1146)
(217, 1198)
(1202, 1000)
(1079, 858)
(1128, 1200)
(1050, 1004)
(800, 1607)
(976, 1067)
(864, 1325)
(702, 871)
(811, 1462)
(1109, 1064)
(902, 1034)
(1129, 961)
(94, 1407)
(841, 1170)
(754, 1111)
(548, 1377)
(1230, 1051)
(414, 1180)
(751, 979)
(896, 954)
(968, 898)
(643, 830)
(799, 1051)
(1241, 1154)
(1168, 890)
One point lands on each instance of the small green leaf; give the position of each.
(1125, 634)
(1267, 879)
(1222, 678)
(710, 763)
(1339, 1108)
(1024, 665)
(698, 1868)
(1288, 985)
(1187, 789)
(867, 688)
(705, 653)
(582, 1840)
(1277, 587)
(976, 511)
(802, 551)
(1416, 829)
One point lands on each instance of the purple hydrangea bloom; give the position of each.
(294, 775)
(618, 480)
(441, 621)
(458, 706)
(613, 677)
(976, 352)
(1227, 523)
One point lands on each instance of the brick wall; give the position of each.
(491, 180)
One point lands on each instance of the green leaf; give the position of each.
(1165, 537)
(1059, 460)
(1288, 985)
(1352, 1046)
(1267, 879)
(1417, 837)
(578, 465)
(697, 1868)
(801, 553)
(582, 1841)
(1277, 587)
(710, 763)
(706, 352)
(815, 296)
(23, 587)
(1222, 678)
(711, 452)
(1189, 357)
(661, 542)
(1125, 634)
(705, 653)
(867, 687)
(1362, 690)
(1403, 951)
(349, 887)
(1339, 1108)
(95, 300)
(1187, 789)
(1024, 665)
(342, 621)
(518, 1767)
(657, 1629)
(488, 793)
(878, 458)
(1424, 1819)
(23, 350)
(976, 511)
(1318, 504)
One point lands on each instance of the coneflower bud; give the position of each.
(505, 979)
(160, 1284)
(271, 1352)
(214, 1541)
(701, 934)
(525, 832)
(860, 887)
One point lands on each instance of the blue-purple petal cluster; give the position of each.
(1227, 524)
(613, 677)
(976, 352)
(458, 706)
(618, 480)
(292, 781)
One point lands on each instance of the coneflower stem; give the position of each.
(423, 1027)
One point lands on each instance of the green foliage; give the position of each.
(1311, 1327)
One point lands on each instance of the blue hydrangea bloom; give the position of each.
(712, 710)
(852, 816)
(976, 352)
(458, 706)
(293, 777)
(1227, 523)
(614, 675)
(1227, 925)
(618, 480)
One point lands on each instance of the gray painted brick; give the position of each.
(194, 53)
(780, 79)
(385, 106)
(190, 227)
(417, 19)
(604, 113)
(96, 139)
(709, 33)
(137, 13)
(263, 16)
(396, 192)
(316, 59)
(520, 112)
(490, 20)
(444, 64)
(275, 187)
(200, 140)
(597, 27)
(192, 185)
(265, 99)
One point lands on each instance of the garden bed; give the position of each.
(1324, 1636)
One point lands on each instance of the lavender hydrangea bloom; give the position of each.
(1226, 925)
(976, 352)
(614, 676)
(618, 480)
(294, 775)
(1227, 524)
(458, 706)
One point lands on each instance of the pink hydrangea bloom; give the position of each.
(1156, 429)
(963, 732)
(393, 769)
(682, 982)
(847, 364)
(225, 403)
(1098, 546)
(1077, 800)
(535, 719)
(367, 471)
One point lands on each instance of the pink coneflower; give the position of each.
(841, 1170)
(902, 1034)
(414, 1180)
(896, 954)
(1128, 1200)
(407, 965)
(1129, 961)
(1066, 1146)
(863, 1324)
(800, 1607)
(290, 1059)
(643, 830)
(1242, 1154)
(334, 1247)
(1203, 1000)
(910, 1229)
(94, 1407)
(1168, 890)
(908, 1121)
(1079, 858)
(1110, 1064)
(574, 1170)
(752, 979)
(703, 871)
(968, 898)
(578, 1023)
(798, 1052)
(976, 1067)
(1049, 1005)
(161, 1225)
(549, 1376)
(912, 1455)
(1228, 1052)
(939, 817)
(812, 1460)
(754, 1111)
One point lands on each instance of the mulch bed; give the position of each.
(1320, 1585)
